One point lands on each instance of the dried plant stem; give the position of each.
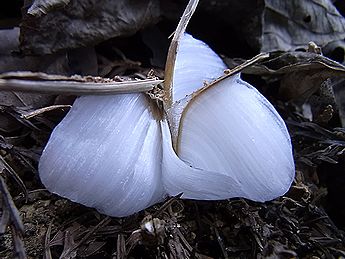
(78, 88)
(227, 73)
(239, 68)
(230, 72)
(45, 109)
(170, 63)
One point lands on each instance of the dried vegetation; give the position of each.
(307, 88)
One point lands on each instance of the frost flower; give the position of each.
(116, 153)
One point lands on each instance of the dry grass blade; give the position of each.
(43, 110)
(47, 252)
(14, 175)
(8, 202)
(134, 239)
(101, 224)
(183, 240)
(5, 218)
(18, 244)
(71, 250)
(121, 247)
(17, 228)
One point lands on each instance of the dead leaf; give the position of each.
(12, 60)
(42, 7)
(85, 23)
(9, 41)
(301, 73)
(338, 86)
(270, 25)
(289, 25)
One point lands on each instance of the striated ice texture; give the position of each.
(233, 134)
(195, 64)
(106, 153)
(111, 153)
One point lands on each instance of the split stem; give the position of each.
(172, 53)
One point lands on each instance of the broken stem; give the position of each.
(235, 70)
(170, 63)
(78, 88)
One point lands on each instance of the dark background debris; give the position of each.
(83, 23)
(303, 77)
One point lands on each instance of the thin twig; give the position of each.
(227, 73)
(239, 68)
(78, 88)
(171, 58)
(43, 110)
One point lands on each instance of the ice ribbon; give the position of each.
(114, 154)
